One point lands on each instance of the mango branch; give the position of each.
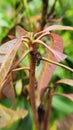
(53, 28)
(58, 55)
(56, 63)
(22, 68)
(32, 87)
(42, 43)
(36, 35)
(48, 111)
(44, 34)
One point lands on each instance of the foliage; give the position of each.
(31, 79)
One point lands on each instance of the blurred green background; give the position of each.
(27, 14)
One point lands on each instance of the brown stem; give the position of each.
(32, 89)
(22, 68)
(48, 111)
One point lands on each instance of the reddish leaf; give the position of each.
(65, 81)
(5, 49)
(59, 56)
(8, 91)
(48, 69)
(21, 49)
(66, 123)
(8, 52)
(21, 31)
(69, 96)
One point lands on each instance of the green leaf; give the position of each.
(69, 95)
(62, 105)
(3, 23)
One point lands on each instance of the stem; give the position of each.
(42, 43)
(25, 68)
(56, 63)
(17, 63)
(53, 27)
(32, 89)
(58, 55)
(38, 34)
(42, 35)
(26, 38)
(57, 27)
(48, 111)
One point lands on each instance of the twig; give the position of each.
(48, 111)
(42, 43)
(44, 34)
(17, 63)
(58, 55)
(22, 68)
(38, 34)
(56, 63)
(26, 37)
